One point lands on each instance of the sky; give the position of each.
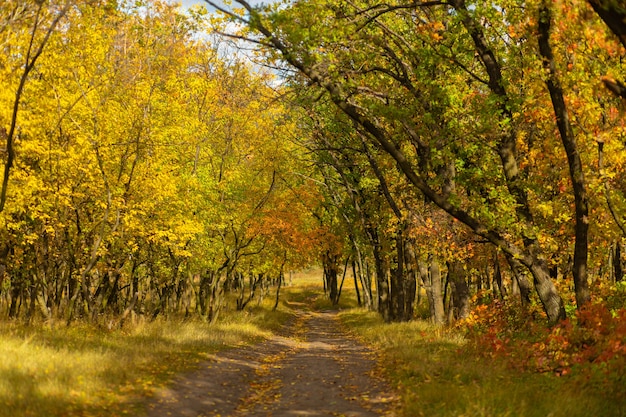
(228, 47)
(189, 3)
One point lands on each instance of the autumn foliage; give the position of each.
(437, 148)
(149, 173)
(589, 346)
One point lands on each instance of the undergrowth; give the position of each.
(502, 362)
(586, 351)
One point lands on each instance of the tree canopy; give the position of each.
(495, 113)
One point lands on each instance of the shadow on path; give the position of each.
(315, 370)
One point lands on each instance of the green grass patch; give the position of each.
(87, 371)
(437, 375)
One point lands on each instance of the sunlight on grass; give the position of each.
(309, 277)
(307, 289)
(86, 371)
(54, 370)
(436, 377)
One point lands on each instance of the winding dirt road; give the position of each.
(315, 369)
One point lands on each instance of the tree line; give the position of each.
(432, 148)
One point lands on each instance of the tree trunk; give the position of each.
(519, 273)
(278, 287)
(397, 281)
(382, 284)
(343, 279)
(618, 270)
(551, 301)
(356, 284)
(568, 139)
(330, 275)
(15, 292)
(460, 294)
(434, 292)
(410, 280)
(614, 16)
(497, 277)
(366, 280)
(281, 278)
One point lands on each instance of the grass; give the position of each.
(306, 291)
(437, 375)
(85, 371)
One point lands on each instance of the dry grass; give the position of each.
(306, 289)
(81, 370)
(437, 377)
(86, 371)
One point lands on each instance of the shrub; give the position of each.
(590, 347)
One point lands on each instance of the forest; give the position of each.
(460, 162)
(144, 170)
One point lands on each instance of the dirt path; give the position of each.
(315, 369)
